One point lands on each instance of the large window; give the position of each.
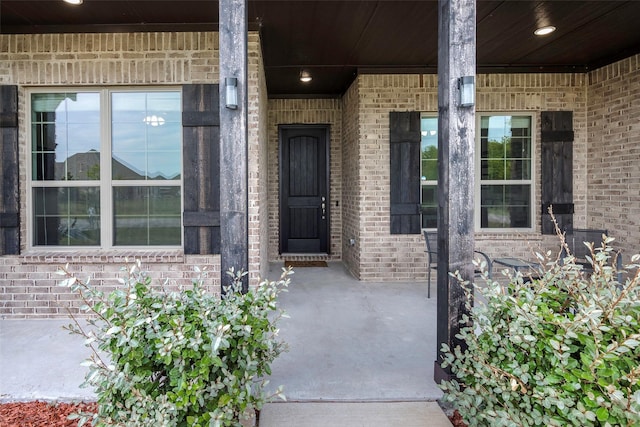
(106, 168)
(505, 174)
(504, 180)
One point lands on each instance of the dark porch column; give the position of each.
(233, 141)
(456, 125)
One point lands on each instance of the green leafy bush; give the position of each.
(560, 350)
(186, 358)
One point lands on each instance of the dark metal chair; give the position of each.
(575, 239)
(431, 239)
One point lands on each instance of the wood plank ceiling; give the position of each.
(336, 40)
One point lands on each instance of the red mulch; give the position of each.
(456, 420)
(40, 414)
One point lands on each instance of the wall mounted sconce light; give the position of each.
(305, 76)
(73, 1)
(231, 85)
(467, 91)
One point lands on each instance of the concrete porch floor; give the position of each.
(350, 344)
(355, 341)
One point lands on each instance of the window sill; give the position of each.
(508, 234)
(97, 256)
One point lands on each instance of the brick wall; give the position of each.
(384, 256)
(613, 172)
(258, 163)
(28, 281)
(401, 257)
(351, 178)
(307, 111)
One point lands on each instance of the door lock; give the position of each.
(324, 208)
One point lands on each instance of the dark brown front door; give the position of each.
(304, 198)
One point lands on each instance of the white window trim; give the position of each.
(105, 183)
(478, 182)
(426, 115)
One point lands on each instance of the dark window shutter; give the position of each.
(404, 136)
(9, 191)
(557, 169)
(201, 168)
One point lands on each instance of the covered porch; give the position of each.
(349, 341)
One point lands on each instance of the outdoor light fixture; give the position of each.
(467, 90)
(543, 31)
(305, 76)
(73, 1)
(231, 84)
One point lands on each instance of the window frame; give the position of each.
(478, 182)
(427, 182)
(105, 183)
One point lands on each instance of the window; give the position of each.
(504, 162)
(503, 172)
(429, 171)
(106, 168)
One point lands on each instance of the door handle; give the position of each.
(324, 208)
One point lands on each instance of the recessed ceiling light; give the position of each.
(305, 76)
(543, 31)
(73, 1)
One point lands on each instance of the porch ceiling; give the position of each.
(336, 40)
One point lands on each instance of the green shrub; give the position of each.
(186, 358)
(560, 350)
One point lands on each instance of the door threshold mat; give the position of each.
(294, 264)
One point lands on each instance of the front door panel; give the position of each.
(304, 201)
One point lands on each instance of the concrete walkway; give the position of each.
(369, 414)
(361, 354)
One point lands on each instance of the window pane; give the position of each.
(505, 147)
(147, 216)
(164, 165)
(429, 206)
(146, 135)
(128, 107)
(429, 170)
(65, 136)
(492, 169)
(66, 216)
(505, 206)
(518, 169)
(129, 165)
(505, 150)
(496, 148)
(127, 137)
(429, 148)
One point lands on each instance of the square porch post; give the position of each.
(456, 135)
(233, 141)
